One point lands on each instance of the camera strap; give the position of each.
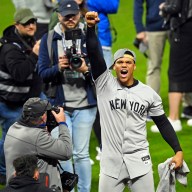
(49, 45)
(62, 167)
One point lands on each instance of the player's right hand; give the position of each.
(91, 18)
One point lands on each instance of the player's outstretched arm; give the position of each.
(98, 65)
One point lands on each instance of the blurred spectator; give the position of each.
(42, 9)
(26, 176)
(30, 135)
(153, 35)
(178, 15)
(18, 77)
(71, 85)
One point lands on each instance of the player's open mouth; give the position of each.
(124, 72)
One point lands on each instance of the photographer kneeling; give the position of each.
(30, 136)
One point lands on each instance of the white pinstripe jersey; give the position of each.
(123, 114)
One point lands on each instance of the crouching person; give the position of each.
(30, 136)
(26, 176)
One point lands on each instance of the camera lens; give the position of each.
(76, 62)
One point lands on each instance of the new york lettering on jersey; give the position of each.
(136, 107)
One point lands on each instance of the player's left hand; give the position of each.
(177, 160)
(91, 18)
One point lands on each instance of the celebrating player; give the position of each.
(124, 104)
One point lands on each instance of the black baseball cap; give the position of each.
(68, 7)
(35, 107)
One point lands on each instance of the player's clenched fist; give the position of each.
(91, 18)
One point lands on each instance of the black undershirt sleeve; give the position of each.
(167, 132)
(94, 50)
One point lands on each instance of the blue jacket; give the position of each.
(104, 8)
(52, 74)
(154, 21)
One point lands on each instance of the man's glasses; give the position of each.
(31, 21)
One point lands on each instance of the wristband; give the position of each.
(63, 123)
(86, 73)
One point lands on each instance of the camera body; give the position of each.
(74, 59)
(51, 122)
(139, 44)
(71, 52)
(68, 180)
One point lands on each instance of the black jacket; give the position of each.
(25, 184)
(177, 12)
(19, 79)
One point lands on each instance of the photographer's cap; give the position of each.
(68, 7)
(23, 15)
(35, 107)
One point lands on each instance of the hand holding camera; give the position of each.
(54, 116)
(161, 12)
(83, 68)
(59, 115)
(63, 63)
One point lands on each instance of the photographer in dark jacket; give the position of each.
(26, 177)
(18, 77)
(72, 86)
(30, 136)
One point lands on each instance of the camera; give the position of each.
(74, 59)
(68, 180)
(71, 52)
(141, 46)
(51, 122)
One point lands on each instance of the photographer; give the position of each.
(19, 79)
(70, 85)
(30, 136)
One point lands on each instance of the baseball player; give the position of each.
(124, 104)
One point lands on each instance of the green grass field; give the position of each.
(160, 150)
